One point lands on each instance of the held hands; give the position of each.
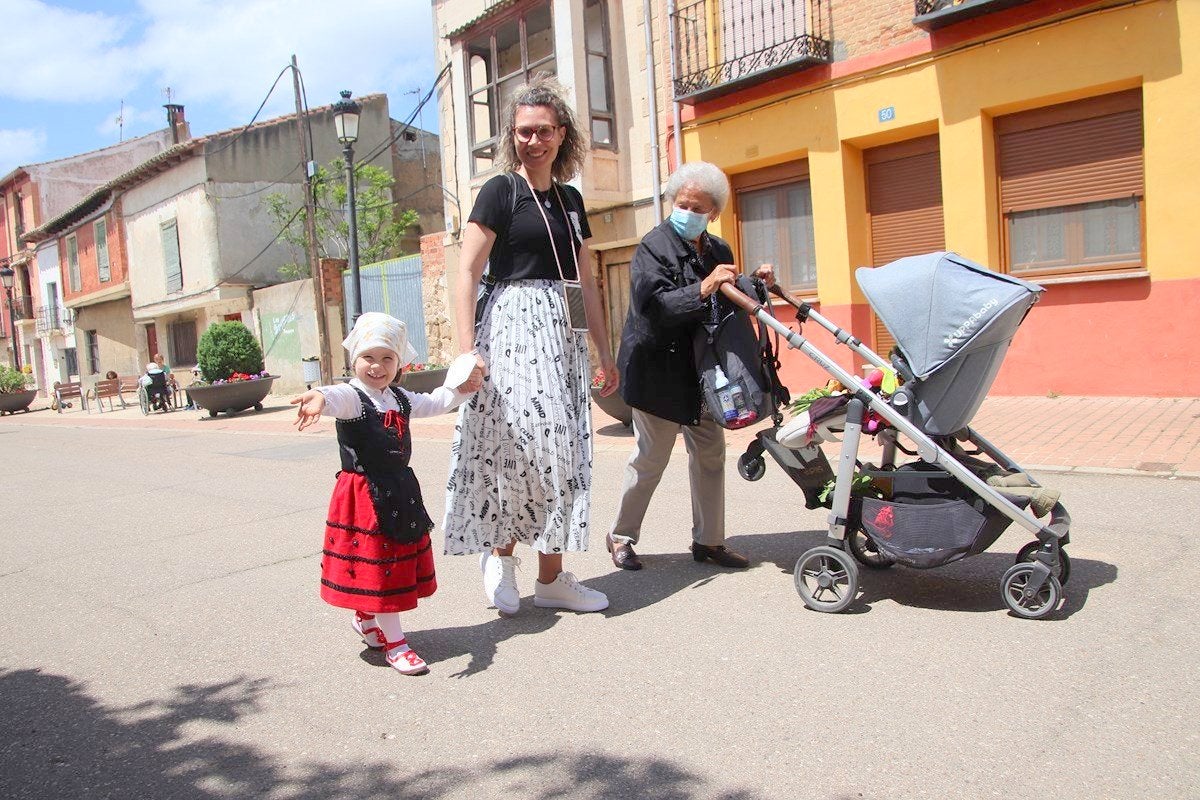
(722, 273)
(472, 383)
(311, 404)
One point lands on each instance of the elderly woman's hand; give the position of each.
(722, 273)
(766, 273)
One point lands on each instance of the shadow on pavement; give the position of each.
(972, 584)
(58, 742)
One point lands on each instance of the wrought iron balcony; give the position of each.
(53, 318)
(934, 14)
(22, 307)
(725, 45)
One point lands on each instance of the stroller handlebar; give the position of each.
(740, 298)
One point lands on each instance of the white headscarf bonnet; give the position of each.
(374, 329)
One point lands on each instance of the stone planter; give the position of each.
(232, 397)
(12, 402)
(615, 406)
(424, 381)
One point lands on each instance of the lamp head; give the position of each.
(345, 118)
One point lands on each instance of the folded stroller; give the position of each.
(953, 321)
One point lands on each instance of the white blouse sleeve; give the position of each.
(341, 401)
(439, 401)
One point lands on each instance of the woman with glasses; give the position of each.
(521, 465)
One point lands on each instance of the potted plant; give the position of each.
(421, 378)
(14, 393)
(232, 377)
(614, 405)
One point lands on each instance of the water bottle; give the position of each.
(725, 396)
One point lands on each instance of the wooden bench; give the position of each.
(110, 389)
(65, 392)
(128, 383)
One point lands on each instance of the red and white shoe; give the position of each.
(366, 627)
(404, 659)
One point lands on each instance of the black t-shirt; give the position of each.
(522, 249)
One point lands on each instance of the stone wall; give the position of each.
(439, 328)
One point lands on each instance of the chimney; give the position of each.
(177, 123)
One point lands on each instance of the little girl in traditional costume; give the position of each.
(377, 559)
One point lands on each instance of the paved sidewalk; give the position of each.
(1114, 435)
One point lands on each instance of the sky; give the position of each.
(70, 65)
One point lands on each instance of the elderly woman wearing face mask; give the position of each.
(676, 273)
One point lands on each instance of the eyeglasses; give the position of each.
(544, 133)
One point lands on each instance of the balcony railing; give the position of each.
(933, 14)
(723, 45)
(22, 307)
(53, 318)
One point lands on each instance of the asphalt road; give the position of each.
(162, 637)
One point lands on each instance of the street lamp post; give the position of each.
(6, 276)
(345, 121)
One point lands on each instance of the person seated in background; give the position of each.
(111, 375)
(155, 381)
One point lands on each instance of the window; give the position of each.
(498, 61)
(170, 248)
(183, 342)
(599, 72)
(56, 316)
(775, 223)
(101, 228)
(72, 362)
(1072, 186)
(73, 263)
(19, 213)
(92, 343)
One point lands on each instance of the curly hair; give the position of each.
(543, 90)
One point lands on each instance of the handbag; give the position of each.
(731, 361)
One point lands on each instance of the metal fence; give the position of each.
(393, 287)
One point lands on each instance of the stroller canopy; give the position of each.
(940, 305)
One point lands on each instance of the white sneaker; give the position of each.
(567, 592)
(500, 582)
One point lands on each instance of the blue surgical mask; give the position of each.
(688, 224)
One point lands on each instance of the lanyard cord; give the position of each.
(549, 233)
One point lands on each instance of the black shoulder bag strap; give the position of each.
(487, 282)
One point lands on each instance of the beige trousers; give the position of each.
(654, 438)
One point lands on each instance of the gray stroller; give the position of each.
(953, 321)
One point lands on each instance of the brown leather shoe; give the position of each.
(623, 555)
(719, 555)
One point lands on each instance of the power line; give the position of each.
(257, 256)
(408, 123)
(275, 182)
(261, 105)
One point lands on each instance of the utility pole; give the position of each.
(310, 231)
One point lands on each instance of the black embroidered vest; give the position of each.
(380, 453)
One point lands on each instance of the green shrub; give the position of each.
(226, 348)
(11, 380)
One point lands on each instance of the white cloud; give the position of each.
(222, 52)
(64, 55)
(20, 146)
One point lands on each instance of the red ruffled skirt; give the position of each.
(363, 570)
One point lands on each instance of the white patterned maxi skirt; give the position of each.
(521, 463)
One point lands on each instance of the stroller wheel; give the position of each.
(1026, 553)
(751, 467)
(863, 548)
(827, 579)
(1013, 589)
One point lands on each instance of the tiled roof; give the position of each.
(491, 11)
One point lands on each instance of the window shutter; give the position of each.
(170, 246)
(904, 202)
(1074, 153)
(73, 264)
(102, 251)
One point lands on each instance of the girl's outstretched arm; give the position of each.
(311, 403)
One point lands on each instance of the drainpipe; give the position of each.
(652, 104)
(674, 68)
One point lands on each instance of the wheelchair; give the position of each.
(155, 395)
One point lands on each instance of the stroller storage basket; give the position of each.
(930, 532)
